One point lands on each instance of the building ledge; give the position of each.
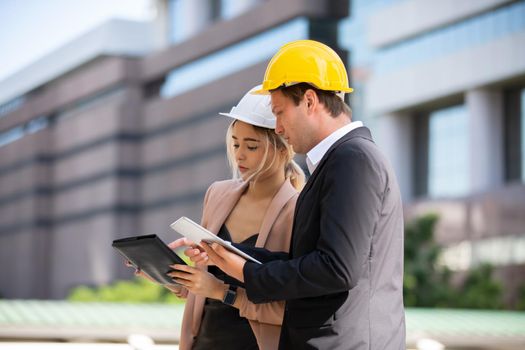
(114, 37)
(410, 18)
(485, 65)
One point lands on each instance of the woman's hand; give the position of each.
(178, 290)
(139, 273)
(198, 281)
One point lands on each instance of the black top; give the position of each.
(222, 327)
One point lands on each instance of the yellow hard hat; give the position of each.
(305, 61)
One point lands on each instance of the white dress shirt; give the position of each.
(314, 156)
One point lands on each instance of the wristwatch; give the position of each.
(231, 295)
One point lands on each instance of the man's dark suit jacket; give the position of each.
(343, 280)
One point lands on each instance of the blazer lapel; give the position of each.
(280, 199)
(363, 132)
(220, 208)
(223, 206)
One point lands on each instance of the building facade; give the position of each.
(118, 133)
(443, 85)
(101, 141)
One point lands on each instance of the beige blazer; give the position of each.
(275, 232)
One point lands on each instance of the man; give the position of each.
(343, 278)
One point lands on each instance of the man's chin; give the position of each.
(297, 149)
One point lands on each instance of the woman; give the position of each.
(255, 208)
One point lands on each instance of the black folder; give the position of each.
(149, 254)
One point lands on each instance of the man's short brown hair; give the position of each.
(333, 103)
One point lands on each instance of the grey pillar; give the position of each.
(396, 141)
(485, 113)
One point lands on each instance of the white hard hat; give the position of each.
(254, 110)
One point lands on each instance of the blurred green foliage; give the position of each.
(427, 284)
(138, 290)
(520, 304)
(480, 290)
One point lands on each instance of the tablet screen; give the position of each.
(150, 254)
(196, 233)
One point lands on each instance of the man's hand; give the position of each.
(229, 262)
(194, 251)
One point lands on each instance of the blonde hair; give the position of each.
(292, 170)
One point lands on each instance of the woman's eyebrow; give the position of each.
(246, 139)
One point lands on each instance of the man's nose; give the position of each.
(278, 128)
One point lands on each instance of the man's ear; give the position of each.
(310, 99)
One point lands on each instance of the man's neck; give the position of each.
(329, 125)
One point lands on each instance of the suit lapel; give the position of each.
(362, 132)
(358, 132)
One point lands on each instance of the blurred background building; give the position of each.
(116, 133)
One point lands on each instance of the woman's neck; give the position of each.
(265, 187)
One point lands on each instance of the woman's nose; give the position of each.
(240, 155)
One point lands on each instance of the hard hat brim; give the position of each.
(260, 92)
(267, 92)
(248, 120)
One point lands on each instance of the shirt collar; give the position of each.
(314, 156)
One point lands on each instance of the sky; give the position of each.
(30, 29)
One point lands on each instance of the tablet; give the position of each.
(196, 233)
(149, 254)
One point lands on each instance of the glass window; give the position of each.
(233, 58)
(233, 8)
(11, 106)
(473, 31)
(353, 29)
(514, 137)
(19, 132)
(448, 173)
(522, 135)
(37, 124)
(11, 135)
(188, 17)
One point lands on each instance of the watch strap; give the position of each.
(231, 295)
